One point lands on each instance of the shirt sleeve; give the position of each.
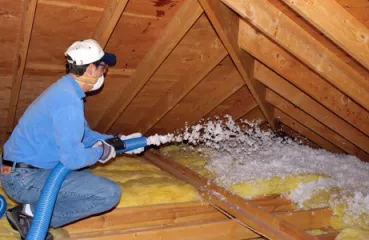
(90, 137)
(68, 132)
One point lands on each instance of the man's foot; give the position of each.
(21, 222)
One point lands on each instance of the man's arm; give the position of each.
(91, 137)
(68, 124)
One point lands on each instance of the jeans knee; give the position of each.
(112, 194)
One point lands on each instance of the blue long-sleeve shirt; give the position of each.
(53, 129)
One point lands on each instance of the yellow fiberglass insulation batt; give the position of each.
(143, 183)
(241, 177)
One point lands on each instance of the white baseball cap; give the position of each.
(88, 51)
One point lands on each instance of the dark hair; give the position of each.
(78, 70)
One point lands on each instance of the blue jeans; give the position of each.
(82, 193)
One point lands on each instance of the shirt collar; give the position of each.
(76, 86)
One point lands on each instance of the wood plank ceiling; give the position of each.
(301, 67)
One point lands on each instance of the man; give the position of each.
(52, 130)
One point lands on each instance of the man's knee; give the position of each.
(111, 193)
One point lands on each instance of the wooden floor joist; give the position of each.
(217, 217)
(248, 213)
(167, 219)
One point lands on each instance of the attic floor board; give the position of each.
(192, 220)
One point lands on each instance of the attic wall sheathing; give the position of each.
(197, 76)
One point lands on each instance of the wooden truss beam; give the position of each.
(254, 114)
(112, 12)
(332, 19)
(218, 85)
(296, 135)
(29, 10)
(303, 130)
(311, 123)
(283, 63)
(167, 102)
(272, 22)
(313, 108)
(236, 105)
(226, 25)
(181, 22)
(255, 218)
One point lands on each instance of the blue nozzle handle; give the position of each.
(132, 144)
(2, 206)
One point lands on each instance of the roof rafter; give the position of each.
(112, 12)
(311, 123)
(276, 25)
(181, 22)
(220, 84)
(294, 134)
(336, 23)
(282, 62)
(254, 114)
(226, 25)
(182, 88)
(28, 16)
(313, 108)
(303, 130)
(236, 105)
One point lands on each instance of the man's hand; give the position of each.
(133, 135)
(108, 151)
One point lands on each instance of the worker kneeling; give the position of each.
(53, 129)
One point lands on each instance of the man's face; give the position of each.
(99, 70)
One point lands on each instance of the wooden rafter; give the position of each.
(257, 219)
(219, 85)
(254, 114)
(226, 25)
(29, 10)
(336, 23)
(311, 123)
(313, 108)
(112, 12)
(298, 136)
(304, 131)
(215, 54)
(236, 105)
(181, 22)
(278, 59)
(272, 22)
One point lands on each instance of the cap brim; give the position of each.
(109, 59)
